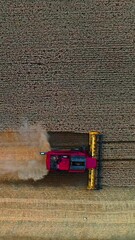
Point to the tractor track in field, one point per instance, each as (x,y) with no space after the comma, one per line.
(61,211)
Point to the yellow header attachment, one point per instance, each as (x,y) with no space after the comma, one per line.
(93,142)
(93,135)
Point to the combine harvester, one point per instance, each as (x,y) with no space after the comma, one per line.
(77,160)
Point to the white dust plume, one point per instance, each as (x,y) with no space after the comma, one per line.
(20,152)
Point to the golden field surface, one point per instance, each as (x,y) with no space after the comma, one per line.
(60,207)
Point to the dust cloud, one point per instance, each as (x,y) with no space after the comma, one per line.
(20,153)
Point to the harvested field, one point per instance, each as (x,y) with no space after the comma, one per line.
(60,207)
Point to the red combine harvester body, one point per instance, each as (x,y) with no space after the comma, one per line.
(69,160)
(77,160)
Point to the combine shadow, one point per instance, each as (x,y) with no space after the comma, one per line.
(53,179)
(100,162)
